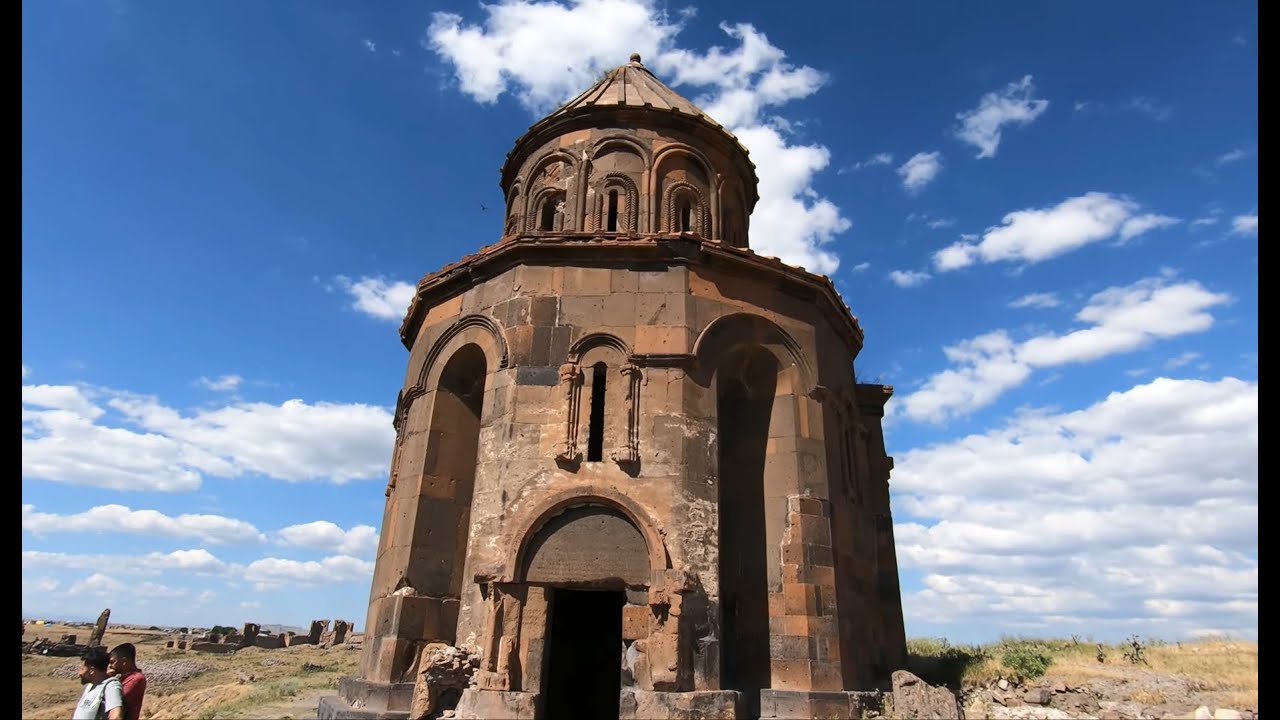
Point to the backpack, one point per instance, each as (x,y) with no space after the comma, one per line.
(102,699)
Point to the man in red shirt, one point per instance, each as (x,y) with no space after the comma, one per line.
(124,666)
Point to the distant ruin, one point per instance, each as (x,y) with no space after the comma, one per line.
(206,641)
(252,635)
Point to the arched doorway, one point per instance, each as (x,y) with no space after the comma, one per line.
(585,558)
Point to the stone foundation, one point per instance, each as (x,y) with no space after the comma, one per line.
(708,705)
(815,704)
(375,697)
(483,704)
(333,707)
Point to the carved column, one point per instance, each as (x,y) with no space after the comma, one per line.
(571,386)
(629,450)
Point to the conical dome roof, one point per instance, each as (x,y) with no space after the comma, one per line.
(631,84)
(627,89)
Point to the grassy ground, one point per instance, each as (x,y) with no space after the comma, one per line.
(286,682)
(1219,670)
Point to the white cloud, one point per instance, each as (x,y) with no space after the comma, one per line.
(1038,234)
(250,605)
(908,278)
(1139,509)
(25,371)
(225,383)
(920,170)
(507,52)
(1230,157)
(883,158)
(861,266)
(1204,222)
(940,223)
(197,561)
(212,529)
(67,438)
(1135,226)
(1151,107)
(361,540)
(981,127)
(40,584)
(378,297)
(1120,319)
(369,45)
(277,573)
(104,586)
(1036,300)
(1244,224)
(1183,359)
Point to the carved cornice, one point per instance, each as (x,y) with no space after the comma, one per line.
(662,249)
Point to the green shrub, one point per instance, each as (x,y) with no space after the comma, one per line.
(1028,661)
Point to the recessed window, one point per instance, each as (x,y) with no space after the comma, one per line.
(684,215)
(548,220)
(611,224)
(595,430)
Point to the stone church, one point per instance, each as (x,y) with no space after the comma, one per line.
(634,472)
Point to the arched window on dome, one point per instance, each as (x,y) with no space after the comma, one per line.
(551,212)
(684,209)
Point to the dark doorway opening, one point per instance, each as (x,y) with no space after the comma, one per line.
(585,656)
(745,392)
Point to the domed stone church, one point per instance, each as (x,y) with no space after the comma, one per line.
(634,472)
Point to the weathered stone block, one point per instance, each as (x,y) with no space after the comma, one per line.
(635,622)
(705,705)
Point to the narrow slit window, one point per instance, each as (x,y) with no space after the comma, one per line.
(685,216)
(595,430)
(612,224)
(548,215)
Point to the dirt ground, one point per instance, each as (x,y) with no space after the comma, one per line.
(251,683)
(288,682)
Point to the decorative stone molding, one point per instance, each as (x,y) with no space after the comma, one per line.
(571,386)
(628,452)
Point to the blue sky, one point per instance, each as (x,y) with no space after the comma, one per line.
(1045,216)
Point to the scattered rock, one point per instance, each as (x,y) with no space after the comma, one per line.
(1037,696)
(1226,714)
(914,698)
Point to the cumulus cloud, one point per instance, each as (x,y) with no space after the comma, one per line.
(378,297)
(198,561)
(361,540)
(279,574)
(1118,320)
(1038,234)
(507,53)
(226,383)
(104,586)
(212,529)
(861,266)
(1036,300)
(920,170)
(68,437)
(982,126)
(908,278)
(1136,514)
(1245,224)
(883,158)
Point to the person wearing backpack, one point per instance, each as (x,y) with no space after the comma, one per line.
(124,665)
(103,697)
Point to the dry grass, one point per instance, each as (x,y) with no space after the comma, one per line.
(287,682)
(1218,672)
